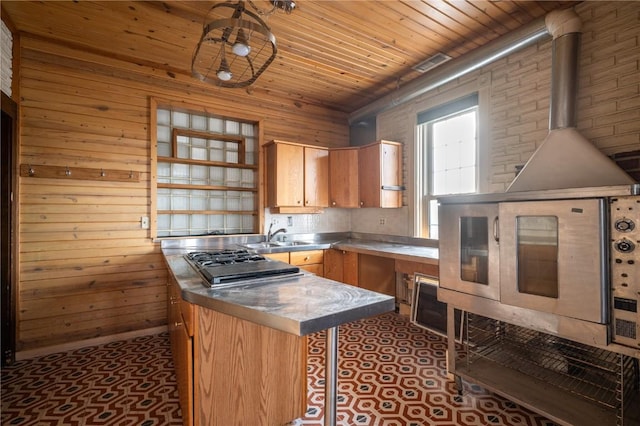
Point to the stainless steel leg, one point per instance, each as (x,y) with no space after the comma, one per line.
(331,377)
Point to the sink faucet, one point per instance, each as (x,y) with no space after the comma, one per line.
(271,235)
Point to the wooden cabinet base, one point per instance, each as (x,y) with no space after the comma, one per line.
(247,374)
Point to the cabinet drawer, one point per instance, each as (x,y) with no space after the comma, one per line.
(306,257)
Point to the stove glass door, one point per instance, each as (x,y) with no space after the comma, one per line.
(469,258)
(553,257)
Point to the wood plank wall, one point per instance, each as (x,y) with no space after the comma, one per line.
(86,268)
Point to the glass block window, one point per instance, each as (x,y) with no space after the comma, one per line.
(207,174)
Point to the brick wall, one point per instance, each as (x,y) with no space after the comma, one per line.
(608,94)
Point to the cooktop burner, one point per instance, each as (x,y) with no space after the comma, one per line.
(223,257)
(228,266)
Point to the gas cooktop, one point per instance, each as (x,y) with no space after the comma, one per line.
(232,266)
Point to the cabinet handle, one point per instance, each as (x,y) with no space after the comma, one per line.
(173,301)
(392,187)
(298,201)
(361,203)
(177,324)
(333,203)
(306,258)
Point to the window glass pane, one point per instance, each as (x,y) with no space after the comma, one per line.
(180,119)
(232,128)
(164,134)
(198,122)
(216,125)
(537,238)
(163,117)
(474,253)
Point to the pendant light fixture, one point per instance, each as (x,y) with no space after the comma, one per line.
(236,45)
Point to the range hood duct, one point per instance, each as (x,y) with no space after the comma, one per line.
(566,159)
(456,68)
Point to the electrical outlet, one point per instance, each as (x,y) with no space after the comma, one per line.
(382,221)
(144,222)
(289,220)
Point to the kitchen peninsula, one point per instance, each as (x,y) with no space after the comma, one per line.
(248,339)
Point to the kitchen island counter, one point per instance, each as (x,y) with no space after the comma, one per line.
(250,342)
(299,305)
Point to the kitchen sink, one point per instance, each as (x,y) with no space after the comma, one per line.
(262,245)
(291,243)
(271,244)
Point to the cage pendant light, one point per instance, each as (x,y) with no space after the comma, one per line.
(236,46)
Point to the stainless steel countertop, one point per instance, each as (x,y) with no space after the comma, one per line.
(299,305)
(402,251)
(403,248)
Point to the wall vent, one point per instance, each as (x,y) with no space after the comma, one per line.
(432,62)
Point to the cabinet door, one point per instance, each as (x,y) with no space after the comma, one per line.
(285,175)
(343,177)
(380,170)
(342,266)
(316,177)
(369,170)
(391,175)
(182,351)
(377,274)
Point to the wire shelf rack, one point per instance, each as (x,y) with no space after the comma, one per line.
(604,378)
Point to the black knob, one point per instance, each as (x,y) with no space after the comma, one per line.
(624,225)
(624,245)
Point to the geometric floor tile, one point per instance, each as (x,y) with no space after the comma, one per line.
(128,382)
(390,373)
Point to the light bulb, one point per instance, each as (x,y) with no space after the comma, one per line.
(241,49)
(224,73)
(241,46)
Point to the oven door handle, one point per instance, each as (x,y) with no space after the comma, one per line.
(496,232)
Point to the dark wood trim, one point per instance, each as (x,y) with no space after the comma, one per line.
(8,195)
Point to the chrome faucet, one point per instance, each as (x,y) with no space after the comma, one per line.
(271,235)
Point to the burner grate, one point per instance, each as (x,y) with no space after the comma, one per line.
(223,257)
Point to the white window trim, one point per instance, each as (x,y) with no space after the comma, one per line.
(481,86)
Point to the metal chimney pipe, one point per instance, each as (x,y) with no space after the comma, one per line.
(484,55)
(565,27)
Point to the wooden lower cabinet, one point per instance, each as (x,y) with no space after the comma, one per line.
(377,273)
(181,348)
(234,372)
(341,265)
(309,260)
(247,374)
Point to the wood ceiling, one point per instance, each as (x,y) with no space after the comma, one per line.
(337,54)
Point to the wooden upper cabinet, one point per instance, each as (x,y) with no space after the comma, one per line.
(343,177)
(297,176)
(316,176)
(380,174)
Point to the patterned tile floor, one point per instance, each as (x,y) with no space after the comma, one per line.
(390,373)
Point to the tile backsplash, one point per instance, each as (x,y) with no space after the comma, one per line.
(367,220)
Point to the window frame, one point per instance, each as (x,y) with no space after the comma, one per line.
(483,149)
